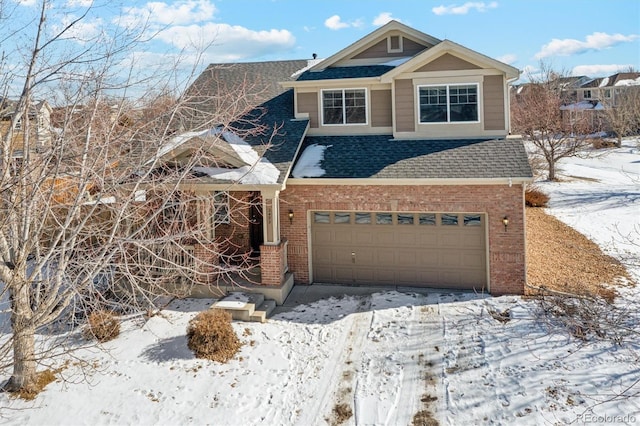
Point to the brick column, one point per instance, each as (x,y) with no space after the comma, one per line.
(272,263)
(206,260)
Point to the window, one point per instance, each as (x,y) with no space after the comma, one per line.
(363,218)
(344,106)
(586,94)
(449,219)
(405,219)
(472,220)
(448,103)
(384,218)
(221,207)
(427,219)
(321,217)
(342,218)
(394,44)
(607,93)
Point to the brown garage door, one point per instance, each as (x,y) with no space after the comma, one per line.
(422,249)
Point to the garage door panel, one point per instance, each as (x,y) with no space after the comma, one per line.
(400,252)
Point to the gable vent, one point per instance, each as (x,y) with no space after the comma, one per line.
(394,44)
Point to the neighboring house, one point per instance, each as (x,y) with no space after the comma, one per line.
(37,123)
(390,166)
(607,90)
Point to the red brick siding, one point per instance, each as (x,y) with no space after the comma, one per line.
(506,248)
(234,237)
(271,265)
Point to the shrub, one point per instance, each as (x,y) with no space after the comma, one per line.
(211,336)
(102,325)
(533,197)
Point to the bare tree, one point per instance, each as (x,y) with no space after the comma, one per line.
(536,114)
(622,112)
(94,217)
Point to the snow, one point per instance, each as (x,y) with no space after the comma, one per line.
(604,82)
(257,171)
(581,106)
(308,165)
(628,82)
(387,354)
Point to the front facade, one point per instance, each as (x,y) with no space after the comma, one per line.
(394,168)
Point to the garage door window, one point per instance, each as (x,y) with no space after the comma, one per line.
(405,219)
(341,218)
(321,217)
(471,220)
(449,219)
(363,218)
(427,219)
(384,218)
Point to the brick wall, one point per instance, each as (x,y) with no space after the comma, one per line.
(271,264)
(506,248)
(234,237)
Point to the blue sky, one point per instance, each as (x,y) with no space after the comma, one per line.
(581,37)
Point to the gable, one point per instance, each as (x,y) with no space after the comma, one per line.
(392,46)
(448,62)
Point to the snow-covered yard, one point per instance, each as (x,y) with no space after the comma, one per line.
(391,357)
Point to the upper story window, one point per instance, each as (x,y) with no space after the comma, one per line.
(586,94)
(448,103)
(344,106)
(607,93)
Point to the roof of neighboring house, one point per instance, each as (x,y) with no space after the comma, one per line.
(346,72)
(382,157)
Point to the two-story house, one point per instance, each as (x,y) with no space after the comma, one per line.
(387,163)
(37,122)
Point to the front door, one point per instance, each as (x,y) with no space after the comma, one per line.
(256,234)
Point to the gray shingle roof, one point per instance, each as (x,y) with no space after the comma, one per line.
(362,71)
(382,157)
(273,115)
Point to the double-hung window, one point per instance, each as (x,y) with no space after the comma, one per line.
(448,103)
(344,106)
(220,207)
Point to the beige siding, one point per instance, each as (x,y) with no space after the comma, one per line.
(493,102)
(381,108)
(308,103)
(379,50)
(405,112)
(447,62)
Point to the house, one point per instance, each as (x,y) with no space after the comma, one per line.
(387,163)
(37,123)
(609,90)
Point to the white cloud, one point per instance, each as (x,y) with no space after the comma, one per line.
(229,42)
(26,2)
(599,70)
(82,32)
(383,18)
(177,13)
(464,9)
(336,23)
(79,3)
(509,58)
(595,41)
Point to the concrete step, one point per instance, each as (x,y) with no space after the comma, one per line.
(263,311)
(240,305)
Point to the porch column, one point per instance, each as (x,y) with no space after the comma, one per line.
(205,251)
(273,251)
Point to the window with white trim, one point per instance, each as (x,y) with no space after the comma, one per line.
(344,106)
(221,207)
(586,94)
(448,103)
(394,44)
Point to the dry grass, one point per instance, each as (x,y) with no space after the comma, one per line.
(561,259)
(102,326)
(210,335)
(534,197)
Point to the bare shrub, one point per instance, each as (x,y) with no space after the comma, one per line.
(601,143)
(102,325)
(534,197)
(211,336)
(341,413)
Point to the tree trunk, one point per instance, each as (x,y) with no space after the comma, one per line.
(24,375)
(552,170)
(619,143)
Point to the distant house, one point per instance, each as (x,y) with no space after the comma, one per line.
(37,123)
(386,164)
(608,90)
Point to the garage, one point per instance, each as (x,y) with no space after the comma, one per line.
(445,250)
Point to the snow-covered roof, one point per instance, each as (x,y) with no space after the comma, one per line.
(308,164)
(582,106)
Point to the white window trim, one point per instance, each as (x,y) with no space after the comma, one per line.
(447,85)
(366,106)
(225,217)
(400,48)
(584,94)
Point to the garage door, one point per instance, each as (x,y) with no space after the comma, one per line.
(445,250)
